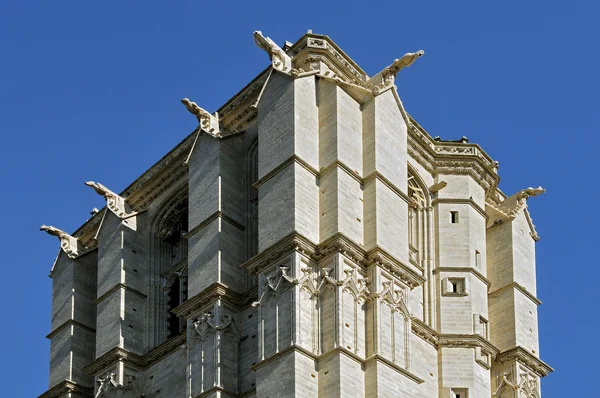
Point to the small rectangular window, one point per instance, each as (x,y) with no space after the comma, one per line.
(454,287)
(477,259)
(459,393)
(454,217)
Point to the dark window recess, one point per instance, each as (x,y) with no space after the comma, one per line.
(454,217)
(174,300)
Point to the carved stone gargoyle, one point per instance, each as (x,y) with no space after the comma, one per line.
(208,122)
(114,202)
(68,243)
(387,76)
(279,59)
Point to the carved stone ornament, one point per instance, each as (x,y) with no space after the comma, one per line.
(528,387)
(513,204)
(208,122)
(108,384)
(114,202)
(68,243)
(385,79)
(279,59)
(352,283)
(205,327)
(274,283)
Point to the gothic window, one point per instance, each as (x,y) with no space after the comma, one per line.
(169,274)
(418,222)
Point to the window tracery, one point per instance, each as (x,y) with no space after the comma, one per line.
(168,276)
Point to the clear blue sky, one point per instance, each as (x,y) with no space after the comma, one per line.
(91,90)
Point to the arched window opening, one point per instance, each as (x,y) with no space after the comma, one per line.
(168,282)
(417,220)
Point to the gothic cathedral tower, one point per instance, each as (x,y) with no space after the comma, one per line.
(308,239)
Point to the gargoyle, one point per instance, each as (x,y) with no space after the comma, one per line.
(67,243)
(385,79)
(280,60)
(407,60)
(60,234)
(99,188)
(113,201)
(208,122)
(529,192)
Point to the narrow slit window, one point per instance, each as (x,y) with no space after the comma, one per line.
(454,217)
(477,259)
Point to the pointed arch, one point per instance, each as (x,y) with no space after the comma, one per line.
(167,282)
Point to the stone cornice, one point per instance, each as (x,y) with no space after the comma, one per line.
(342,166)
(438,340)
(117,287)
(424,331)
(521,289)
(140,362)
(210,219)
(409,375)
(292,159)
(378,256)
(452,158)
(380,177)
(218,391)
(323,171)
(311,47)
(334,351)
(519,354)
(69,388)
(467,341)
(469,202)
(69,322)
(285,246)
(473,271)
(214,292)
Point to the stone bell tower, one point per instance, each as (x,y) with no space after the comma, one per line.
(307,239)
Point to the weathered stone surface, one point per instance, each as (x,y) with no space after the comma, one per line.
(308,239)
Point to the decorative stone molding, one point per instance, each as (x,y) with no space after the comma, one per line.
(424,331)
(108,384)
(522,356)
(140,362)
(313,48)
(338,243)
(70,389)
(204,327)
(467,341)
(395,297)
(216,291)
(279,59)
(274,253)
(352,283)
(437,340)
(403,272)
(528,387)
(274,283)
(68,243)
(207,122)
(114,202)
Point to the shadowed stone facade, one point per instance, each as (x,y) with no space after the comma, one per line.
(309,239)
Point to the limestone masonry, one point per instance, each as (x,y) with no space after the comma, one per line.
(309,239)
